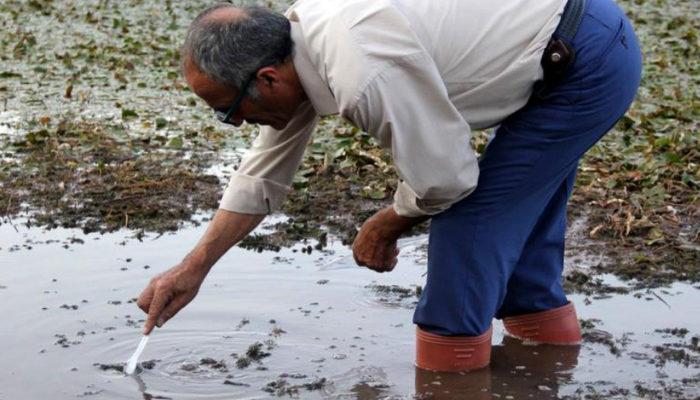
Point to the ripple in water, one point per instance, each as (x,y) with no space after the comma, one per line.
(186,364)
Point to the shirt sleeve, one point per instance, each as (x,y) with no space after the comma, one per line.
(407,109)
(261,183)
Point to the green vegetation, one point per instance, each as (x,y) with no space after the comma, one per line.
(640,186)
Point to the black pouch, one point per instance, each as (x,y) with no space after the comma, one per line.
(557,59)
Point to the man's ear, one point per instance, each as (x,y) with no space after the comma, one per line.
(268,76)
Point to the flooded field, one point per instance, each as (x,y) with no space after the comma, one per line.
(300,324)
(105,155)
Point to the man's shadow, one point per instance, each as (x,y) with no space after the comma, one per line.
(517,370)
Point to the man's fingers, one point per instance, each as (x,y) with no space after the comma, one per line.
(160,300)
(379,256)
(145,299)
(357,259)
(383,259)
(357,254)
(171,309)
(383,265)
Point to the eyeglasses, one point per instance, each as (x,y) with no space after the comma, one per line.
(225,117)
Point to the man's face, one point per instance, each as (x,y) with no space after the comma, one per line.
(274,106)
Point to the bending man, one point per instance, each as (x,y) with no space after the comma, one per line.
(553,75)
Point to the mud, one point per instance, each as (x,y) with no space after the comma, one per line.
(214,364)
(282,387)
(120,367)
(395,295)
(99,179)
(111,367)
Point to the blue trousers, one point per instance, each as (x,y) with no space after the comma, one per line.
(500,251)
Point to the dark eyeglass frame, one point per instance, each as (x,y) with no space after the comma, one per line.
(225,117)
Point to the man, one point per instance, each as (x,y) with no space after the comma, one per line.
(554,76)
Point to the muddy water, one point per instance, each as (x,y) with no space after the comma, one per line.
(67,309)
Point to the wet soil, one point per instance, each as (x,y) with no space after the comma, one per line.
(101,179)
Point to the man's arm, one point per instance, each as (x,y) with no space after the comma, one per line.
(407,109)
(257,188)
(170,291)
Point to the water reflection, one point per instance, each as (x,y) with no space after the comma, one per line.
(142,387)
(516,371)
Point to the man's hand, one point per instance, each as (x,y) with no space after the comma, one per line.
(373,250)
(375,244)
(168,293)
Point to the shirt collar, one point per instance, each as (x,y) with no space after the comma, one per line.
(315,87)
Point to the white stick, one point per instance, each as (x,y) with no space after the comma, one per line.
(131,365)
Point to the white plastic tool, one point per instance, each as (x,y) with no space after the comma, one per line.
(131,365)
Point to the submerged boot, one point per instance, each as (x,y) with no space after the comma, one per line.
(555,326)
(452,353)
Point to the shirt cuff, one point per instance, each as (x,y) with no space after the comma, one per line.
(246,194)
(408,204)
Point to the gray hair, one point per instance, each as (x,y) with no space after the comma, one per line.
(230,50)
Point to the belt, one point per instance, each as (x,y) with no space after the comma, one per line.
(559,55)
(570,19)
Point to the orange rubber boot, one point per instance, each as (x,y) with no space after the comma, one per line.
(452,353)
(555,326)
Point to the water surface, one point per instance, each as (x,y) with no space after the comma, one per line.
(67,304)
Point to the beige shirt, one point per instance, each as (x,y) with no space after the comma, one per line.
(417,75)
